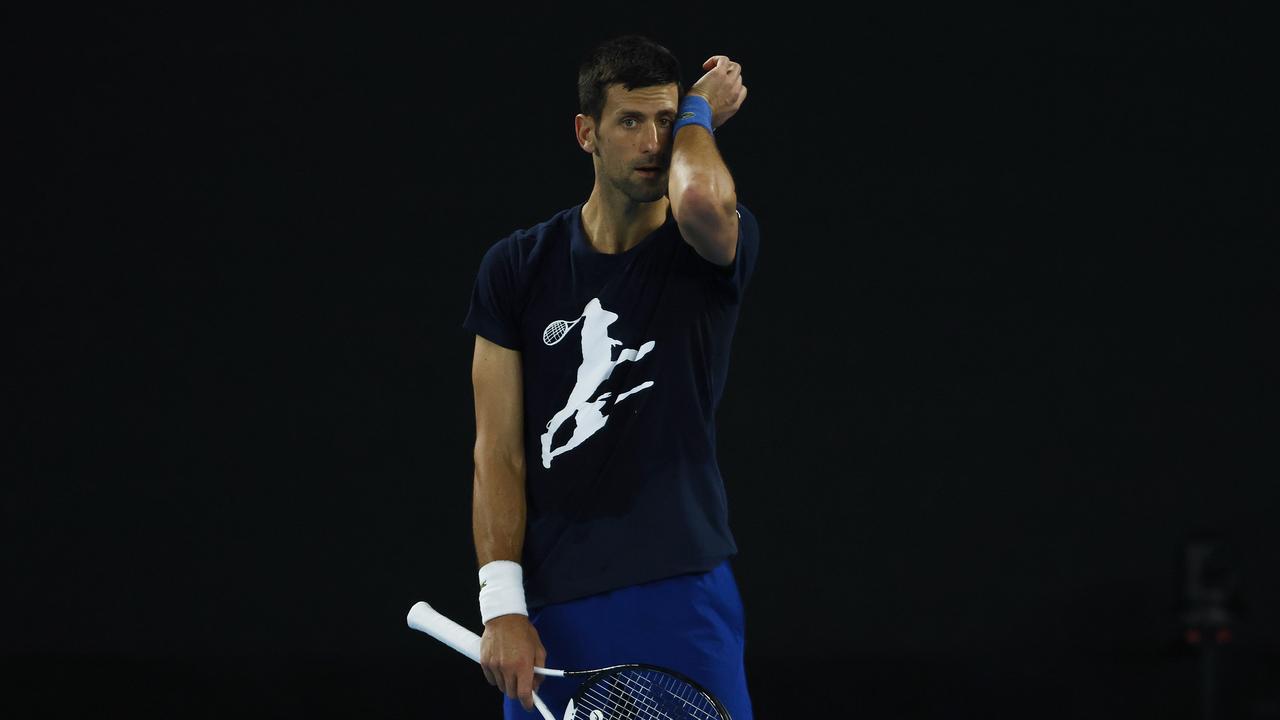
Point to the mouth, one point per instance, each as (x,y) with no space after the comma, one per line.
(650,171)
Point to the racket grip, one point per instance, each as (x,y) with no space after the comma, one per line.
(425,619)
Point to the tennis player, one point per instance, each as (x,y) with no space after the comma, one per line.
(601,353)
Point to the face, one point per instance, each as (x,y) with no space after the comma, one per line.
(632,141)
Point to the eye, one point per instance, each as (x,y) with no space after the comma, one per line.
(664,122)
(628,122)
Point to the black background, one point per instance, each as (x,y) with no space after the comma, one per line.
(1005,354)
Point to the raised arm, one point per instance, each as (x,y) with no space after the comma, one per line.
(703,199)
(510,646)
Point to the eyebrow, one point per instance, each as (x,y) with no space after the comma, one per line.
(641,113)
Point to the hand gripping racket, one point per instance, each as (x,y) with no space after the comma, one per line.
(621,692)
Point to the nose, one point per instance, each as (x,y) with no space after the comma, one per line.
(651,138)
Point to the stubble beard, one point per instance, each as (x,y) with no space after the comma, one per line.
(642,192)
(637,191)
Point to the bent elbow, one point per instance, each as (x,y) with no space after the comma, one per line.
(709,222)
(704,199)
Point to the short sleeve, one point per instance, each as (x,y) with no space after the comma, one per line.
(494,312)
(734,277)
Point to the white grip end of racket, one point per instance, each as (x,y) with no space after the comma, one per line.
(425,619)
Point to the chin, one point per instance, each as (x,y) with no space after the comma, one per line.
(639,192)
(646,194)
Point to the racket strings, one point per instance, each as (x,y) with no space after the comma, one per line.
(634,694)
(641,707)
(684,693)
(556,330)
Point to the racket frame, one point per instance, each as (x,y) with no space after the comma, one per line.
(594,675)
(562,334)
(424,618)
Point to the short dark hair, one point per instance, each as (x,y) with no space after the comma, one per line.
(633,61)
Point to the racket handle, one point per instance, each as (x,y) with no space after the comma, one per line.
(424,618)
(546,711)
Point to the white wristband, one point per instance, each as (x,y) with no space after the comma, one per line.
(501,590)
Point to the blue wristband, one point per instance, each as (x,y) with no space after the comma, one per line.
(694,110)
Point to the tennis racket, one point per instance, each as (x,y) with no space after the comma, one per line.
(556,330)
(621,692)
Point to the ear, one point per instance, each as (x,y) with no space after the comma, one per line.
(585,128)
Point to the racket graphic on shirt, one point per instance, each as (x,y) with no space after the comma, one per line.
(557,329)
(621,692)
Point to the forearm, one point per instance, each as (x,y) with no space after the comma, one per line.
(510,646)
(498,509)
(704,201)
(700,186)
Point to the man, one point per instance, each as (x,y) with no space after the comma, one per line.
(601,352)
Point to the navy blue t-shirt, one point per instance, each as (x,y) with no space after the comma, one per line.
(624,358)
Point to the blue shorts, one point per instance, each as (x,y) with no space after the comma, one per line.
(690,623)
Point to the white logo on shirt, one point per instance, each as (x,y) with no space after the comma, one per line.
(597,365)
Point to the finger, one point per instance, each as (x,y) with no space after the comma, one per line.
(513,684)
(489,676)
(741,98)
(507,682)
(498,682)
(525,687)
(714,61)
(539,659)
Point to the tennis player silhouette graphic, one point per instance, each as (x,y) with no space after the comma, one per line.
(597,366)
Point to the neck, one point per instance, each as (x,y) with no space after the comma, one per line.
(614,223)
